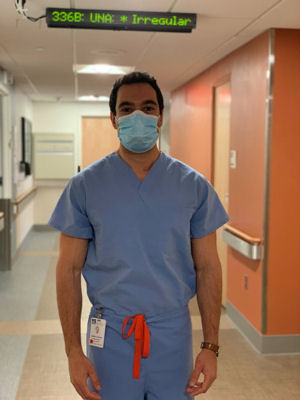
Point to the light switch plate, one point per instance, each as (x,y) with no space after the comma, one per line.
(233,159)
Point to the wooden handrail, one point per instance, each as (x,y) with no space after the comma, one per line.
(24,195)
(243,235)
(1,214)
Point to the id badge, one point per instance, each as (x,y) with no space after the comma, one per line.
(97,332)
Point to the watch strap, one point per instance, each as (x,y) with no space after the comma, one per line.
(210,346)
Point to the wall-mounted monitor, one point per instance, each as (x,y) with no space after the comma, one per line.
(26,139)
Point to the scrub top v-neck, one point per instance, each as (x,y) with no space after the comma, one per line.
(139,253)
(131,172)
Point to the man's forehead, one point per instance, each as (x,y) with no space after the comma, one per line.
(136,92)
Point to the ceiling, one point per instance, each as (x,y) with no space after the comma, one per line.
(41,59)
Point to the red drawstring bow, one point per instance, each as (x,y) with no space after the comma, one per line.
(142,340)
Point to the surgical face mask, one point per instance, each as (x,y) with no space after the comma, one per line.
(138,131)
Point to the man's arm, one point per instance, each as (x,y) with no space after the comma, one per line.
(72,256)
(209,297)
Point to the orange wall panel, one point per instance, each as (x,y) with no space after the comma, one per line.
(191,140)
(284,250)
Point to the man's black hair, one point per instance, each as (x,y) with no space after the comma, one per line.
(135,77)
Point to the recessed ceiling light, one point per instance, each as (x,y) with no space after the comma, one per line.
(93,98)
(101,69)
(40,49)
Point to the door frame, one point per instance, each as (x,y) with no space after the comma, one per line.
(6,144)
(220,82)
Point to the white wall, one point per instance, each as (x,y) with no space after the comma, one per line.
(64,118)
(25,217)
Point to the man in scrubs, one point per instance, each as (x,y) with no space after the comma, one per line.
(140,226)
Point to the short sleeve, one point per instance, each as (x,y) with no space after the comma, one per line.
(210,215)
(69,215)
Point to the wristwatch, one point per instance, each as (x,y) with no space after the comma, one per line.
(210,346)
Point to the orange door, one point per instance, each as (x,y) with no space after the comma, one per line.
(98,138)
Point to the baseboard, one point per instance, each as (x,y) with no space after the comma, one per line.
(43,228)
(263,344)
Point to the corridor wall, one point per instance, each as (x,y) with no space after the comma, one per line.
(283,290)
(191,140)
(16,183)
(24,220)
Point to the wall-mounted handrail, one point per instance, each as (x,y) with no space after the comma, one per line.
(242,234)
(245,244)
(24,196)
(16,203)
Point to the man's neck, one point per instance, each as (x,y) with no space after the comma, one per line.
(139,161)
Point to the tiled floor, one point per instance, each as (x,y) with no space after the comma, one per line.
(33,364)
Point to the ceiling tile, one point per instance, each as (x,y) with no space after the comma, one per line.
(139,5)
(177,52)
(225,8)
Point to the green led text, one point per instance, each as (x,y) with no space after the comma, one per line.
(104,18)
(174,21)
(71,16)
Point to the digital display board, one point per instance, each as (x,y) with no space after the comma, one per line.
(120,20)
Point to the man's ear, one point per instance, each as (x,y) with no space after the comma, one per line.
(113,120)
(160,119)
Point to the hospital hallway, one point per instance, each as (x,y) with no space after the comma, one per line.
(33,362)
(142,129)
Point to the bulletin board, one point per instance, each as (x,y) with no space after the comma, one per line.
(53,156)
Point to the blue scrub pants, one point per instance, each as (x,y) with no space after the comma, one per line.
(164,375)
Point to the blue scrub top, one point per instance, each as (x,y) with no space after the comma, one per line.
(139,253)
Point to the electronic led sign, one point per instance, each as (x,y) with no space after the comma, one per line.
(120,20)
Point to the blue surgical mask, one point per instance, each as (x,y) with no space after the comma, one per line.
(138,131)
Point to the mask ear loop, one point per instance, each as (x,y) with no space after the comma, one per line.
(117,123)
(157,127)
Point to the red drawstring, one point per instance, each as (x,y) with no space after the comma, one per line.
(142,340)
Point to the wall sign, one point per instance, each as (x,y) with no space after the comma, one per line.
(120,20)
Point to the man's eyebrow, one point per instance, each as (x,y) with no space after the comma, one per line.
(128,103)
(150,102)
(125,103)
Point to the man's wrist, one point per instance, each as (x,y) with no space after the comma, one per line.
(211,346)
(74,351)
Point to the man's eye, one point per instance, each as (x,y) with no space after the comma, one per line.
(149,109)
(126,110)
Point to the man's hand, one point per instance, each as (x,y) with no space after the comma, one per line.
(206,364)
(80,368)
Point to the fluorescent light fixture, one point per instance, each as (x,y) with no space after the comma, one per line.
(93,98)
(101,69)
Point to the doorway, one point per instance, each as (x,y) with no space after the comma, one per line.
(222,103)
(98,139)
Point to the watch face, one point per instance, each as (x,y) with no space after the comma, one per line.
(210,346)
